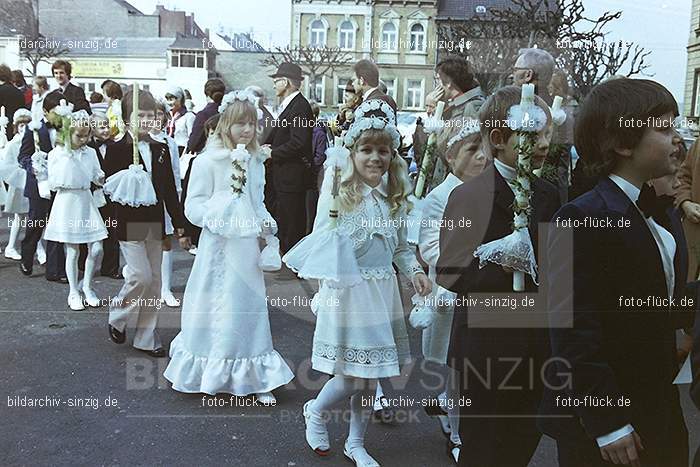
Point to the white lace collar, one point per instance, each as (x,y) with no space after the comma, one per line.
(382,188)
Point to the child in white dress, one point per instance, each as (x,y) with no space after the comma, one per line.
(360,333)
(225,344)
(16,204)
(75,219)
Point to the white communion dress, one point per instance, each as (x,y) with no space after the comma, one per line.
(361,330)
(15,176)
(225,344)
(74,215)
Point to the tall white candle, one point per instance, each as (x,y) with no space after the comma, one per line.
(556,104)
(2,111)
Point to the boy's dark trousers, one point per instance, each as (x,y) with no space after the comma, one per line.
(37,218)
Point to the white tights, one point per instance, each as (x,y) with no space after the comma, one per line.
(93,257)
(360,392)
(14,232)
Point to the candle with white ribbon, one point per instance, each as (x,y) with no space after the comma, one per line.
(135,122)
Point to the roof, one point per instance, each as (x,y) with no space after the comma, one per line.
(131,8)
(123,46)
(466,9)
(242,42)
(189,42)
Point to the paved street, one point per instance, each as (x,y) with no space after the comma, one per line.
(65,358)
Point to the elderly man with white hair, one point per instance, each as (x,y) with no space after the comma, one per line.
(534,66)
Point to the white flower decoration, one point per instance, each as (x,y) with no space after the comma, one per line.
(64,109)
(375,104)
(365,123)
(240,96)
(469,127)
(531,118)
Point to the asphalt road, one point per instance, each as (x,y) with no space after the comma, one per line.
(109,405)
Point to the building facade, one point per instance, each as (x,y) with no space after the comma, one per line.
(399,36)
(691,100)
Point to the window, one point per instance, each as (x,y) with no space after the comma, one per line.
(317,38)
(391,87)
(91,87)
(414,94)
(187,59)
(316,90)
(342,82)
(346,36)
(389,36)
(146,87)
(417,38)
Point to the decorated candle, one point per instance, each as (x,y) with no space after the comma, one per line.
(527,96)
(135,122)
(428,158)
(2,111)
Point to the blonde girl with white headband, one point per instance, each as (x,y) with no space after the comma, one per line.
(360,333)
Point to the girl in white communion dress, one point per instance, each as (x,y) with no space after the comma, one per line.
(225,344)
(360,333)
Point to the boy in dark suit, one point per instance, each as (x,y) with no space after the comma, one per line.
(62,70)
(495,354)
(617,289)
(39,208)
(141,230)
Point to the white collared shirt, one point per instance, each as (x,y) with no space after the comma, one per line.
(285,102)
(146,156)
(367,93)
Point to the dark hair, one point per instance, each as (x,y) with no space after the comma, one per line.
(315,109)
(18,78)
(146,102)
(96,98)
(458,71)
(215,89)
(211,123)
(186,94)
(52,99)
(112,89)
(66,66)
(493,114)
(367,70)
(5,73)
(42,82)
(599,124)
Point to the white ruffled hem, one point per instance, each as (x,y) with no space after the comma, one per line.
(514,251)
(241,376)
(131,187)
(230,216)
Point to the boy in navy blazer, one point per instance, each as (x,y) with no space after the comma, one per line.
(617,289)
(39,207)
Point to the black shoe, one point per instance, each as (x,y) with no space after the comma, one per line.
(60,280)
(156,353)
(25,270)
(118,337)
(433,409)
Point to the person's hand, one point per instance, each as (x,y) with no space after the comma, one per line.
(185,242)
(624,451)
(436,94)
(422,284)
(692,211)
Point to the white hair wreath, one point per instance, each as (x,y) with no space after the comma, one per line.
(470,127)
(243,95)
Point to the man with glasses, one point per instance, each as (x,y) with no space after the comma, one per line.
(290,139)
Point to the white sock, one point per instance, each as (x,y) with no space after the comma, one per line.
(72,253)
(335,390)
(453,414)
(166,269)
(40,249)
(93,257)
(359,418)
(378,394)
(14,233)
